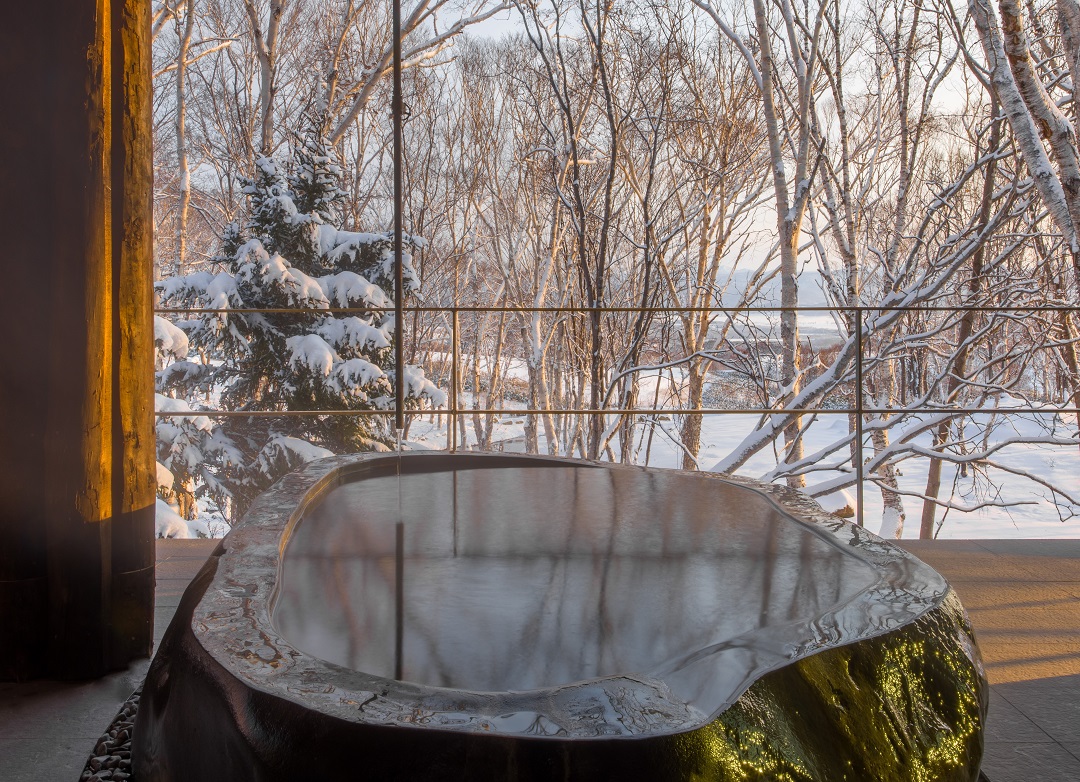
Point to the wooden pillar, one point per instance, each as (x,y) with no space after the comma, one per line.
(76,338)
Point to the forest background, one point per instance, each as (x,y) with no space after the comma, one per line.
(809,242)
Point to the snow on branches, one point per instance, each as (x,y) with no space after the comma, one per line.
(271,337)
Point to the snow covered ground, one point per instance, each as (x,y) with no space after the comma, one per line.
(1020,507)
(1028,512)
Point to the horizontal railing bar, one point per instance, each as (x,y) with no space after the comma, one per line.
(464,411)
(866,309)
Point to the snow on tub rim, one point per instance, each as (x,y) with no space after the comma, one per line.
(719,629)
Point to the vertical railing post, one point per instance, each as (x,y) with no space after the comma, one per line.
(449,397)
(398,111)
(454,376)
(860,506)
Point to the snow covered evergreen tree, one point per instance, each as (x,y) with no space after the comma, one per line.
(288,255)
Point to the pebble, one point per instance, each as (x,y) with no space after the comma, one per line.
(111,761)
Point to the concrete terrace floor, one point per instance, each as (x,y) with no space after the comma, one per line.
(1023,597)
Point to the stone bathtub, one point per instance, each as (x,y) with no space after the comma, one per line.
(482,617)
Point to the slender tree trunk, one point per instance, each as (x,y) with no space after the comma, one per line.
(532,438)
(596,382)
(181,136)
(539,393)
(266,51)
(790,208)
(691,428)
(1069,22)
(1068,352)
(789,343)
(494,393)
(478,424)
(1032,115)
(893,516)
(629,421)
(967,324)
(1053,124)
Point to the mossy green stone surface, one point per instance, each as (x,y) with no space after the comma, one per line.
(906,707)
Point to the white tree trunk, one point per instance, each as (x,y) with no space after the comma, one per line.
(266,51)
(181,135)
(1014,89)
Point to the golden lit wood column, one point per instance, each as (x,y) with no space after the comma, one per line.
(76,335)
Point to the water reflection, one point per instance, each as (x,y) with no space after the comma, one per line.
(520,578)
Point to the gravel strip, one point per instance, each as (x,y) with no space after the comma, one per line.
(111,761)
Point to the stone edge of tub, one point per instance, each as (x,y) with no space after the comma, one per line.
(233,623)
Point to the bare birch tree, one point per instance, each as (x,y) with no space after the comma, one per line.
(1044,134)
(787,87)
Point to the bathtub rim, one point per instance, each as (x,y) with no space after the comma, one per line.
(233,619)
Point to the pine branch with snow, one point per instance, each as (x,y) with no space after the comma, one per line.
(291,265)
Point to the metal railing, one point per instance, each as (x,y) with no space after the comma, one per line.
(454,410)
